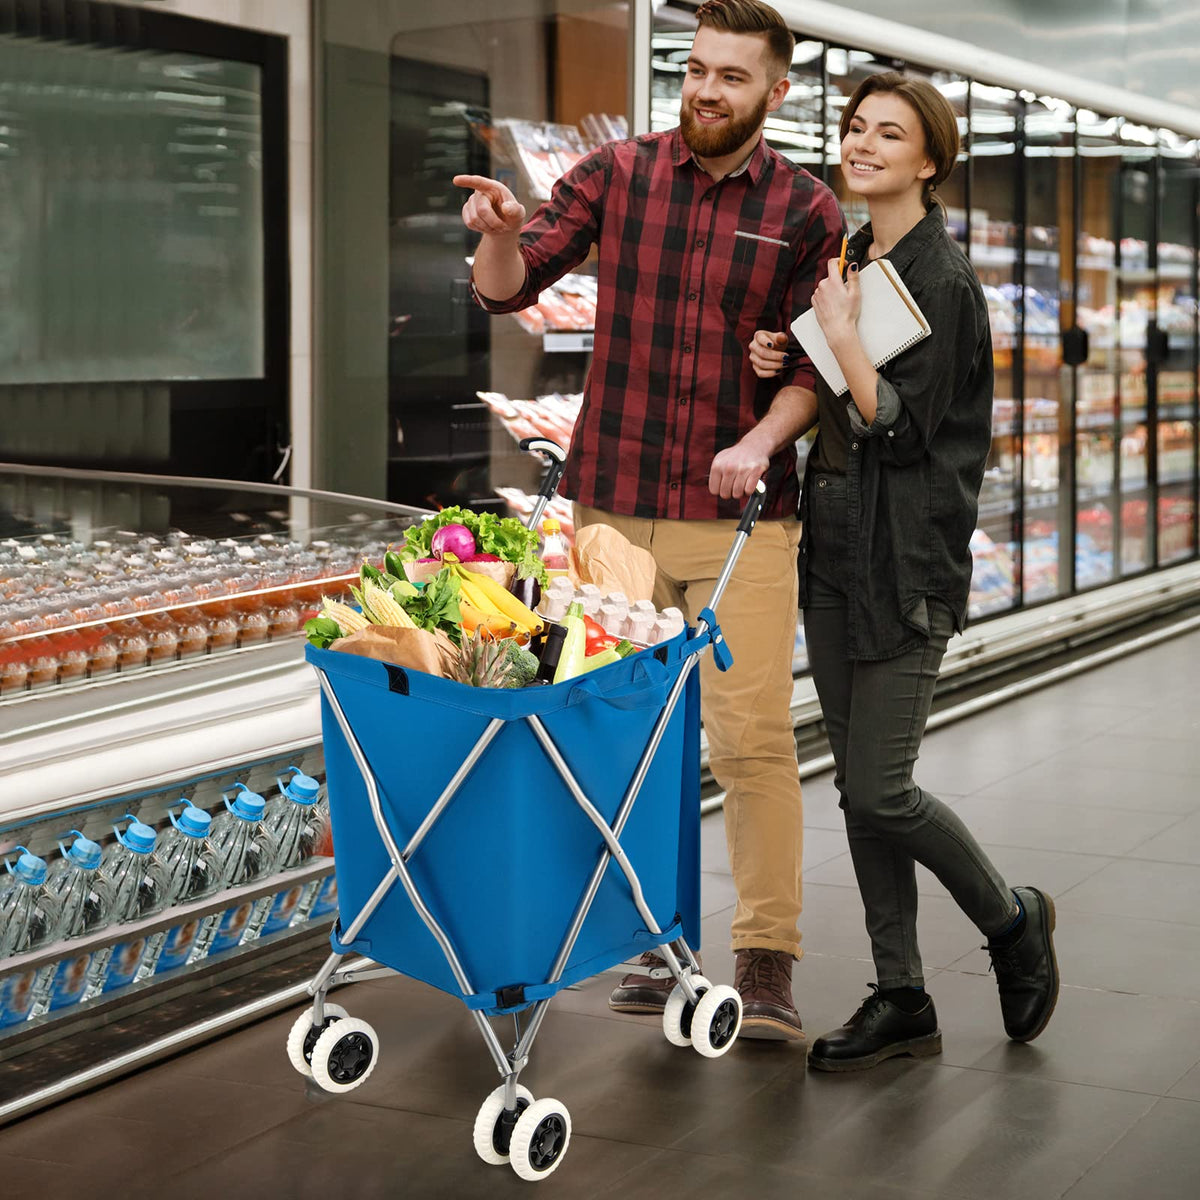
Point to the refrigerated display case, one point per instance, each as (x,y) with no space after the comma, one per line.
(125,716)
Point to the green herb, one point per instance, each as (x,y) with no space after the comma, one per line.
(322,631)
(504,537)
(436,607)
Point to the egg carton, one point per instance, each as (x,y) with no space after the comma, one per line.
(638,620)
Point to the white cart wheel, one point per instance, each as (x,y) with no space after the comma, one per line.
(675,1014)
(344,1055)
(717,1021)
(540,1139)
(300,1044)
(487,1121)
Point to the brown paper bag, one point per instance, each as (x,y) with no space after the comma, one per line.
(604,556)
(415,649)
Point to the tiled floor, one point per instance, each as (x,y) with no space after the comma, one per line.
(1090,789)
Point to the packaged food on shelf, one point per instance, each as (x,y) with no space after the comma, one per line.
(72,612)
(569,303)
(551,416)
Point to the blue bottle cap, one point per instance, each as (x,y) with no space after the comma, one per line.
(82,851)
(301,788)
(248,805)
(193,821)
(29,869)
(136,837)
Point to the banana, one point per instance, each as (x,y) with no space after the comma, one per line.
(473,618)
(475,597)
(506,603)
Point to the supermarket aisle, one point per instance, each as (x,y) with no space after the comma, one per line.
(1090,789)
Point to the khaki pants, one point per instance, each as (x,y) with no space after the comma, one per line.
(746,710)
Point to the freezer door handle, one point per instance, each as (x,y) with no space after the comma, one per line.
(1074,346)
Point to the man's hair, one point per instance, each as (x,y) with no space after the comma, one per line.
(753,17)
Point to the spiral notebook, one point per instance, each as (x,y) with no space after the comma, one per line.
(890,322)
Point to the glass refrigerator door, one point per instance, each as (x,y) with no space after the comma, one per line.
(1096,426)
(994,253)
(1137,316)
(1049,391)
(1175,377)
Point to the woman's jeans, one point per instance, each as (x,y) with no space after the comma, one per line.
(875,714)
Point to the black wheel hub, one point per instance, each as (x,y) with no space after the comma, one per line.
(350,1058)
(547,1142)
(502,1130)
(724,1023)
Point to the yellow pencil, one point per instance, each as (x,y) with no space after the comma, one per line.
(842,257)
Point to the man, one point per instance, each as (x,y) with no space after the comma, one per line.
(704,235)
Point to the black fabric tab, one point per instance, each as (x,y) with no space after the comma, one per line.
(397,679)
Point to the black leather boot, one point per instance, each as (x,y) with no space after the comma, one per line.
(877,1031)
(1027,970)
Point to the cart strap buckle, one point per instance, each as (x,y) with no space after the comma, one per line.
(722,655)
(512,996)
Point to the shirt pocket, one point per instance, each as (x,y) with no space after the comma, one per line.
(760,262)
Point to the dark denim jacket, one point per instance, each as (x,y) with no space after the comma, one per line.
(914,473)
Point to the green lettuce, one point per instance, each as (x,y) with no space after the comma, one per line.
(505,537)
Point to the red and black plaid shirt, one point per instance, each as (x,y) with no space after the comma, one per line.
(688,269)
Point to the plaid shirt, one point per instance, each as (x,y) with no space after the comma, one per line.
(688,269)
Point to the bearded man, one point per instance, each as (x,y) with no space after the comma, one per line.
(704,234)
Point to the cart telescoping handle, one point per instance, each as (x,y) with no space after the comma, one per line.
(556,459)
(750,515)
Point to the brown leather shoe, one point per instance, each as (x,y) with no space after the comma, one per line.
(640,993)
(763,979)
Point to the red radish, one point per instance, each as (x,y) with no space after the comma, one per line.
(453,539)
(474,558)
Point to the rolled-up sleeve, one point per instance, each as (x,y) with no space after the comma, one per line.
(887,411)
(559,235)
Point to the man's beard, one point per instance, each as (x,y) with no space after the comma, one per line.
(716,141)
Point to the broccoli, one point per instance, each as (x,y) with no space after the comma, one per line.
(523,664)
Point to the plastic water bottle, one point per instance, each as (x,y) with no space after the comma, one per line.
(246,851)
(193,872)
(320,896)
(139,888)
(85,901)
(28,920)
(297,823)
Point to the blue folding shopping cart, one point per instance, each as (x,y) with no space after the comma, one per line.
(541,836)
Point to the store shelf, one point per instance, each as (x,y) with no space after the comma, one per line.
(568,341)
(1000,256)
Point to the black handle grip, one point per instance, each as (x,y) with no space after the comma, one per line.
(753,509)
(556,458)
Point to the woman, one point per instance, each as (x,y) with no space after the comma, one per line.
(889,505)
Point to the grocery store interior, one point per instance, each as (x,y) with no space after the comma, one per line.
(238,357)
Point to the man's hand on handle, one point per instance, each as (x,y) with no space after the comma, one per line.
(491,207)
(738,468)
(768,353)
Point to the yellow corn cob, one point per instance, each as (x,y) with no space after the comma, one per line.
(506,603)
(348,621)
(385,608)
